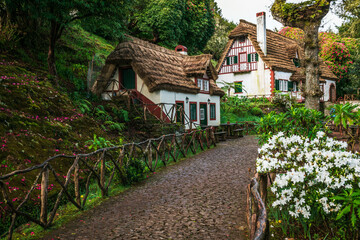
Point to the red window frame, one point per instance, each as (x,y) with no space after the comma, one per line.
(241,85)
(246,54)
(196,114)
(212,104)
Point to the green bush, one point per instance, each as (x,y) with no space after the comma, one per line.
(256,111)
(134,170)
(299,121)
(283,101)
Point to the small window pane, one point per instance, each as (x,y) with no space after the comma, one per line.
(206,85)
(212,112)
(200,84)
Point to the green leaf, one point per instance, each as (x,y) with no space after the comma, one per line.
(346,210)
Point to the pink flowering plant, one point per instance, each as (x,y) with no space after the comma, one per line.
(312,178)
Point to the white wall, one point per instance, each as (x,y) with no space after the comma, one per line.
(282,75)
(172,97)
(327,89)
(144,90)
(254,82)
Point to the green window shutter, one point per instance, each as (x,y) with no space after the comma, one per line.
(235,59)
(290,86)
(227,61)
(256,57)
(249,57)
(193,111)
(238,87)
(277,85)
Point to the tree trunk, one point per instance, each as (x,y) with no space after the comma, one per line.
(51,53)
(312,90)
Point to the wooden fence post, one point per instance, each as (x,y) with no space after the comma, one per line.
(76,183)
(44,195)
(102,175)
(263,187)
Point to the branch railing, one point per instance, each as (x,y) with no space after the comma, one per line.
(102,166)
(256,207)
(166,113)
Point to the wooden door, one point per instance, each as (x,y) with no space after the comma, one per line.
(180,112)
(332,93)
(128,78)
(203,115)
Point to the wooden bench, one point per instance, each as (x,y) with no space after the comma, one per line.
(239,132)
(220,136)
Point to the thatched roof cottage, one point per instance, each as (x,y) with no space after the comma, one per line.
(159,75)
(259,61)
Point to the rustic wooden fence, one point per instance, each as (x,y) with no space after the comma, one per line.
(256,207)
(101,166)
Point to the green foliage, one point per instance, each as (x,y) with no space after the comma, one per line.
(283,101)
(134,171)
(256,111)
(350,202)
(349,12)
(299,121)
(218,41)
(339,54)
(98,143)
(344,114)
(169,23)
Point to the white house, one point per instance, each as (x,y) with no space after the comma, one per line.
(260,61)
(156,75)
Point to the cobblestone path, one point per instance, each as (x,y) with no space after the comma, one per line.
(203,197)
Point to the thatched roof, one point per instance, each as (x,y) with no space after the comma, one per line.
(160,68)
(280,51)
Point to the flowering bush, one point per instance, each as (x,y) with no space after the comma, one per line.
(311,174)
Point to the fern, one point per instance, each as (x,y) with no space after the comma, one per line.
(115,125)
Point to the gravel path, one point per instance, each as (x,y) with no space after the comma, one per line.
(203,197)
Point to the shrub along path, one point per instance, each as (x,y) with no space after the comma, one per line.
(203,197)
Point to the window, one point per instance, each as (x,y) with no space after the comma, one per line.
(206,85)
(238,87)
(281,85)
(277,84)
(231,60)
(200,83)
(203,84)
(212,111)
(292,86)
(253,57)
(193,112)
(128,78)
(296,62)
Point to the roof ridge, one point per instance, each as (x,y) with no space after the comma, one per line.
(151,46)
(267,30)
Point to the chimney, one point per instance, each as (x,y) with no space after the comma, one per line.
(261,31)
(181,49)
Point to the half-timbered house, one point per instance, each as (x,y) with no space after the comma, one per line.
(259,61)
(159,76)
